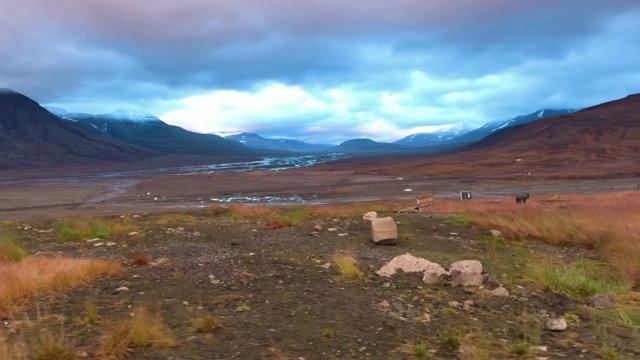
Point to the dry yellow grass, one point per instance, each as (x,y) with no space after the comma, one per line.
(348,267)
(609,223)
(143,329)
(36,275)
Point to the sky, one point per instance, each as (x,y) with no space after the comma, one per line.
(321,71)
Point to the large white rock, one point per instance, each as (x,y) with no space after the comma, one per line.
(384,231)
(466,273)
(408,263)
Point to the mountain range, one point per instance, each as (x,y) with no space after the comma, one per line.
(599,141)
(32,136)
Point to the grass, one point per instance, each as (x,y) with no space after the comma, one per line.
(206,324)
(144,329)
(36,275)
(10,249)
(415,350)
(48,346)
(348,267)
(579,279)
(94,228)
(608,223)
(91,316)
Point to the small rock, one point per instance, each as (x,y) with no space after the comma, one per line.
(556,324)
(500,292)
(133,233)
(137,216)
(122,288)
(317,228)
(98,244)
(384,303)
(386,285)
(111,243)
(332,229)
(602,301)
(539,348)
(496,233)
(326,266)
(92,240)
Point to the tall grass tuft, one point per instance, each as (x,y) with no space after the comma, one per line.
(348,267)
(10,249)
(36,275)
(143,330)
(607,223)
(49,347)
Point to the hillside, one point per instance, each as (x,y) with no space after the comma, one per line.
(30,136)
(146,130)
(600,141)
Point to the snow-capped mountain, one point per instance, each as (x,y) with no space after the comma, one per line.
(122,114)
(489,128)
(433,138)
(143,128)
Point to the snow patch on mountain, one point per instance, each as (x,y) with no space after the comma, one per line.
(226,134)
(131,115)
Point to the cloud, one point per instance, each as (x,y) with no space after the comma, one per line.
(320,70)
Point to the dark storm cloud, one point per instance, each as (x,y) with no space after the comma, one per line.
(396,65)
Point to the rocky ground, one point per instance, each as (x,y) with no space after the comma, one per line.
(278,294)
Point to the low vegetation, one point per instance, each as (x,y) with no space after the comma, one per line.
(143,329)
(80,229)
(606,223)
(348,267)
(579,279)
(10,248)
(32,276)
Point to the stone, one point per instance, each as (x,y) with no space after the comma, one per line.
(122,288)
(370,216)
(466,273)
(500,292)
(432,272)
(111,243)
(317,228)
(384,231)
(556,324)
(602,301)
(495,233)
(133,233)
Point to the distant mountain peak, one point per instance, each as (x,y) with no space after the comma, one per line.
(8,91)
(132,115)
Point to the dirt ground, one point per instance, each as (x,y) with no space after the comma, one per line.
(271,288)
(25,196)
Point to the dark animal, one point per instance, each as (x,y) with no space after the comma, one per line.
(522,198)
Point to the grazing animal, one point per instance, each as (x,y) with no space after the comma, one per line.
(522,198)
